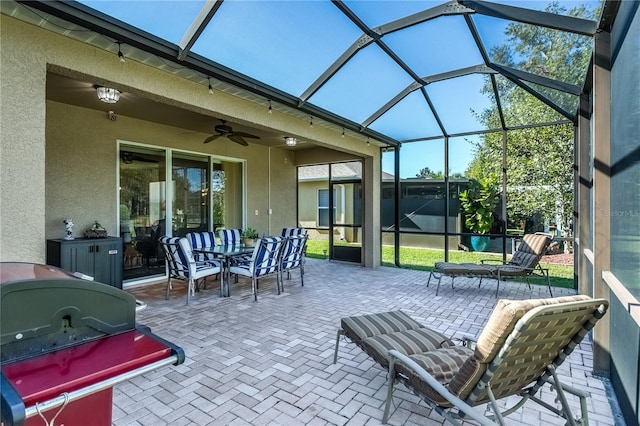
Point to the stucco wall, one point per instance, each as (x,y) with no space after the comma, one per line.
(82,162)
(22,118)
(81,154)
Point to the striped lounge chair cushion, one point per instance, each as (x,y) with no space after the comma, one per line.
(463,269)
(441,363)
(407,342)
(361,327)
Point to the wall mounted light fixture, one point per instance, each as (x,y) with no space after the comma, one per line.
(290,141)
(107,94)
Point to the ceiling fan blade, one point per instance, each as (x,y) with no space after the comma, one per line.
(246,135)
(211,138)
(238,139)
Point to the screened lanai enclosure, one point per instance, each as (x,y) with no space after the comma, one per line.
(462,97)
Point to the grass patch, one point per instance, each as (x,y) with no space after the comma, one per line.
(424,259)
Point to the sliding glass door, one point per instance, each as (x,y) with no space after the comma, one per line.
(203,193)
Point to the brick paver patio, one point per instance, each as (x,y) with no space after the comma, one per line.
(270,362)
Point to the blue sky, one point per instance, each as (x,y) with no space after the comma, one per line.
(289,43)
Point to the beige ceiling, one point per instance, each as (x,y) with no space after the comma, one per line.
(80,93)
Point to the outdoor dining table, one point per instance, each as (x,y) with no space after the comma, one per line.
(225,253)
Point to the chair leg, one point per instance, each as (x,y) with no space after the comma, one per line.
(390,383)
(302,276)
(254,287)
(190,287)
(335,352)
(168,287)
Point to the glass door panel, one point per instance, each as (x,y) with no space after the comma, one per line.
(345,211)
(142,210)
(313,208)
(190,206)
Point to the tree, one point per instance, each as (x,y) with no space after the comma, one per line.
(427,173)
(539,160)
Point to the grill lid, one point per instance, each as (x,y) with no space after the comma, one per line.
(44,315)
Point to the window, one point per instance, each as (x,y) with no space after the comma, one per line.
(323,207)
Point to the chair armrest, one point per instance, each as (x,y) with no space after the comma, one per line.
(436,386)
(469,340)
(466,340)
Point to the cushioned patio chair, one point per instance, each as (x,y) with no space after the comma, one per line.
(199,240)
(293,257)
(518,352)
(524,263)
(265,260)
(182,265)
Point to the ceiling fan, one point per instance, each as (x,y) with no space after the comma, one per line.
(223,130)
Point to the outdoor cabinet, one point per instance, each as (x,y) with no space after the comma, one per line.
(100,258)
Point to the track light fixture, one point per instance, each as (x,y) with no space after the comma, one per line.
(311,121)
(120,55)
(367,140)
(270,109)
(343,132)
(210,87)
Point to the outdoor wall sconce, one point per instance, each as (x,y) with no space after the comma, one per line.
(107,94)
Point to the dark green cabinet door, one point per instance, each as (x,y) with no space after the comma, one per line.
(108,263)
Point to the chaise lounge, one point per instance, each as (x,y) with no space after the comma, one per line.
(524,263)
(519,351)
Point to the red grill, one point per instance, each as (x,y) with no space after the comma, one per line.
(65,342)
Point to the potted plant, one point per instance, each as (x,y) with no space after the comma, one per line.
(478,202)
(249,237)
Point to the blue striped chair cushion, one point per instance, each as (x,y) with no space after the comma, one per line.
(292,252)
(230,236)
(265,257)
(176,255)
(293,232)
(200,240)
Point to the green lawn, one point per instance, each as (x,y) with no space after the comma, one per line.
(424,259)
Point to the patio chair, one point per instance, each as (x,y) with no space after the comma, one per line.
(200,240)
(524,263)
(182,265)
(293,256)
(265,260)
(518,352)
(230,236)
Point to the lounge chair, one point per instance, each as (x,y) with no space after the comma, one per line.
(518,352)
(524,263)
